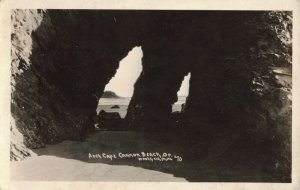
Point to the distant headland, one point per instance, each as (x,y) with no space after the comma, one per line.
(110,94)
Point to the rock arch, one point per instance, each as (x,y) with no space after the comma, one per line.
(68,56)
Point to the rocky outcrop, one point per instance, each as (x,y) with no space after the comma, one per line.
(109,121)
(18,151)
(115,107)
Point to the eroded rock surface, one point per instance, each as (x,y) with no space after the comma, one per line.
(61,62)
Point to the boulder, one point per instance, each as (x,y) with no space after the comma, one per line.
(109,120)
(115,107)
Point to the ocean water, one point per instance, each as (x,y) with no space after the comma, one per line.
(106,104)
(126,100)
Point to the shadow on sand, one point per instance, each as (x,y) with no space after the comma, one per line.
(192,167)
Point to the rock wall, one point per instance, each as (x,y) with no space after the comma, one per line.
(240,86)
(250,105)
(61,62)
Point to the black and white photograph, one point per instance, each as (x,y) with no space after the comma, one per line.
(151,95)
(125,95)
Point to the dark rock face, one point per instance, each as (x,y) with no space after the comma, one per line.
(61,62)
(109,120)
(166,60)
(240,86)
(236,99)
(245,96)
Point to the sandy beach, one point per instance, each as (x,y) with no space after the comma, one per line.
(69,161)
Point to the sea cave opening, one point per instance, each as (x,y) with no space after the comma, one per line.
(182,94)
(113,104)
